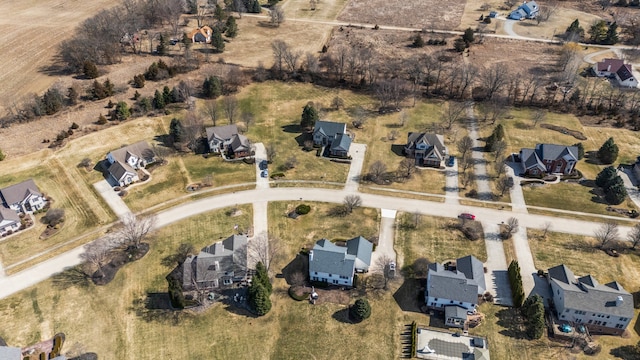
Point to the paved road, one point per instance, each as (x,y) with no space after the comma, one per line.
(33,275)
(261,155)
(508,28)
(386,237)
(357,152)
(498,280)
(112,199)
(451,184)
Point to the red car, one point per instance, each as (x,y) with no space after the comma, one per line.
(467,216)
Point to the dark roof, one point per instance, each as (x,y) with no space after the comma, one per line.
(553,151)
(141,150)
(119,169)
(451,285)
(240,143)
(624,72)
(224,258)
(330,258)
(8,215)
(529,7)
(329,128)
(20,191)
(530,159)
(455,311)
(361,248)
(341,142)
(225,132)
(473,270)
(434,140)
(587,294)
(610,65)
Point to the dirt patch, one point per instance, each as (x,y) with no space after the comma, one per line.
(576,134)
(425,14)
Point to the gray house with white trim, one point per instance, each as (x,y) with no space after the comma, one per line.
(217,265)
(337,265)
(23,197)
(125,161)
(426,148)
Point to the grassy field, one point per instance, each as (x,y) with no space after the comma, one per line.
(307,229)
(434,241)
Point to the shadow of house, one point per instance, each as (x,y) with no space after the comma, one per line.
(410,295)
(503,290)
(235,301)
(398,149)
(300,264)
(303,137)
(158,301)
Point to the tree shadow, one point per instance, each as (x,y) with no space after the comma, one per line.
(56,68)
(410,295)
(300,139)
(588,183)
(156,307)
(398,149)
(72,277)
(511,322)
(342,316)
(300,264)
(235,301)
(292,128)
(164,140)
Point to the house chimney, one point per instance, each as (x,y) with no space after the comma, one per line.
(310,255)
(619,301)
(609,68)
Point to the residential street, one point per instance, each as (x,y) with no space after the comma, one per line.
(517,196)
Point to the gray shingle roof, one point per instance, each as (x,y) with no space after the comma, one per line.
(225,132)
(329,128)
(473,270)
(624,72)
(10,353)
(455,311)
(553,151)
(330,258)
(588,295)
(361,248)
(530,159)
(9,215)
(141,150)
(119,169)
(18,192)
(240,143)
(435,140)
(451,285)
(341,142)
(225,258)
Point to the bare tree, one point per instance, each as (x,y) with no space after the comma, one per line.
(499,147)
(464,145)
(606,233)
(392,135)
(383,267)
(403,118)
(547,10)
(493,79)
(538,117)
(421,267)
(407,168)
(377,170)
(500,168)
(291,162)
(511,227)
(298,279)
(634,236)
(468,177)
(545,229)
(276,15)
(135,229)
(279,48)
(337,102)
(264,248)
(211,110)
(97,252)
(193,128)
(467,162)
(351,202)
(230,105)
(504,184)
(271,152)
(248,119)
(53,217)
(453,112)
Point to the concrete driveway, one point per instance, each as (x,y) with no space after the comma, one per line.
(386,237)
(357,152)
(525,259)
(497,280)
(112,199)
(517,197)
(451,184)
(631,184)
(260,155)
(479,166)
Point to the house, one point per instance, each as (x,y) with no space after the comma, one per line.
(338,265)
(616,69)
(24,197)
(528,10)
(548,159)
(226,140)
(340,146)
(426,148)
(9,221)
(125,161)
(201,35)
(220,264)
(325,132)
(455,289)
(603,309)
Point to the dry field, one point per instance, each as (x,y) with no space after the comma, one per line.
(427,14)
(31,31)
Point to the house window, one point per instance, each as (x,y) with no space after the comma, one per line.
(227,281)
(558,292)
(604,323)
(343,277)
(577,312)
(590,321)
(330,275)
(335,281)
(436,299)
(315,273)
(567,310)
(450,301)
(607,316)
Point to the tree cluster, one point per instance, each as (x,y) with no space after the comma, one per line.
(212,87)
(603,33)
(515,280)
(533,311)
(496,136)
(612,185)
(176,294)
(260,291)
(99,91)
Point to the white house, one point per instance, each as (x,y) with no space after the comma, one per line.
(337,265)
(457,286)
(124,162)
(23,197)
(603,309)
(9,221)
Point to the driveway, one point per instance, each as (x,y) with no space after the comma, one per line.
(357,152)
(497,280)
(630,183)
(525,259)
(477,153)
(385,237)
(260,155)
(517,197)
(451,184)
(112,199)
(508,28)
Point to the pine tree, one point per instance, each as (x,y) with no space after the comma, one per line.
(162,46)
(212,87)
(158,100)
(309,117)
(219,13)
(262,276)
(122,111)
(232,27)
(605,176)
(176,131)
(612,34)
(608,152)
(259,298)
(598,32)
(580,150)
(468,36)
(166,95)
(418,42)
(533,310)
(90,70)
(216,41)
(361,310)
(575,28)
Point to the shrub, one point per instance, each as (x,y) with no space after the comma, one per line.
(54,217)
(90,70)
(487,20)
(303,209)
(138,81)
(295,296)
(515,280)
(101,120)
(361,310)
(75,126)
(2,155)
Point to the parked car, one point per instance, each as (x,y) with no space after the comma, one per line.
(264,173)
(451,160)
(467,216)
(392,266)
(263,165)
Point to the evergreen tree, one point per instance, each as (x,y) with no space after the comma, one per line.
(515,280)
(175,292)
(72,95)
(53,101)
(616,192)
(608,152)
(166,95)
(158,100)
(253,6)
(176,131)
(212,87)
(533,310)
(496,135)
(418,42)
(361,310)
(232,27)
(161,49)
(216,41)
(606,176)
(580,150)
(90,70)
(259,298)
(468,36)
(309,117)
(262,276)
(2,155)
(612,34)
(598,32)
(575,29)
(122,111)
(219,13)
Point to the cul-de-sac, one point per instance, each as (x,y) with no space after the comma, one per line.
(319,179)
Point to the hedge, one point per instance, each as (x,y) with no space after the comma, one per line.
(414,338)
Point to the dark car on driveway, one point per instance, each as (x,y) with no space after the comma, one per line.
(451,160)
(263,164)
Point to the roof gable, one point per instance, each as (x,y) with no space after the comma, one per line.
(141,150)
(19,192)
(624,72)
(610,65)
(341,142)
(223,133)
(329,128)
